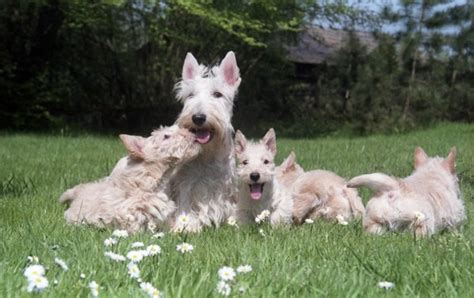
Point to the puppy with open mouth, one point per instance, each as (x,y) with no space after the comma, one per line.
(258,189)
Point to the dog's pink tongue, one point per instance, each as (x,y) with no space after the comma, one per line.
(203,136)
(256,191)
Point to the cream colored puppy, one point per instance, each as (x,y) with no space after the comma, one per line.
(319,194)
(425,202)
(258,190)
(134,194)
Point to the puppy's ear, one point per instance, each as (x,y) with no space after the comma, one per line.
(420,157)
(134,146)
(289,163)
(240,142)
(190,67)
(269,140)
(230,70)
(450,162)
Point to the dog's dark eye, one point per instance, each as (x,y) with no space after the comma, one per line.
(245,162)
(266,161)
(217,94)
(166,137)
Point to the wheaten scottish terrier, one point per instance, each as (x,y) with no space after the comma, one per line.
(258,189)
(319,194)
(203,188)
(134,194)
(425,202)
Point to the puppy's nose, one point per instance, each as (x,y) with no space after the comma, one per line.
(199,119)
(254,176)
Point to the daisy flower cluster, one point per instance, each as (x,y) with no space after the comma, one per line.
(262,216)
(232,221)
(227,275)
(94,287)
(37,282)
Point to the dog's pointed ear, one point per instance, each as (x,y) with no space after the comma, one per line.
(134,146)
(190,67)
(269,140)
(289,163)
(420,157)
(449,162)
(229,70)
(240,142)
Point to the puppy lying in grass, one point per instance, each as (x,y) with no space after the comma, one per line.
(258,190)
(425,202)
(134,194)
(318,194)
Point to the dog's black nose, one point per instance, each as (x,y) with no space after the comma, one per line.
(199,119)
(254,176)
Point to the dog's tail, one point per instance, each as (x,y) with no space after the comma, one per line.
(375,181)
(68,196)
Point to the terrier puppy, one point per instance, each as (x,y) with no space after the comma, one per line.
(425,202)
(203,188)
(134,194)
(318,193)
(258,189)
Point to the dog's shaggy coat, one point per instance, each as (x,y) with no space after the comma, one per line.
(426,202)
(258,188)
(204,188)
(318,194)
(134,194)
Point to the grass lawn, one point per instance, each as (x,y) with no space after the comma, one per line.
(322,259)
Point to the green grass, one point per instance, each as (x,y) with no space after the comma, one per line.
(322,259)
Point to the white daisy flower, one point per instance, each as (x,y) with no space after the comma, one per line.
(33,259)
(386,285)
(226,273)
(262,216)
(262,232)
(153,249)
(223,288)
(309,221)
(151,226)
(94,287)
(244,269)
(114,256)
(150,290)
(133,270)
(82,276)
(33,271)
(137,244)
(55,281)
(341,220)
(232,221)
(183,219)
(61,264)
(158,235)
(242,289)
(184,247)
(110,241)
(136,255)
(37,284)
(120,233)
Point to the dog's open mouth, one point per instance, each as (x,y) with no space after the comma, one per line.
(203,135)
(256,190)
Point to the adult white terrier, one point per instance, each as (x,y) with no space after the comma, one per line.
(426,202)
(258,188)
(319,194)
(203,188)
(134,194)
